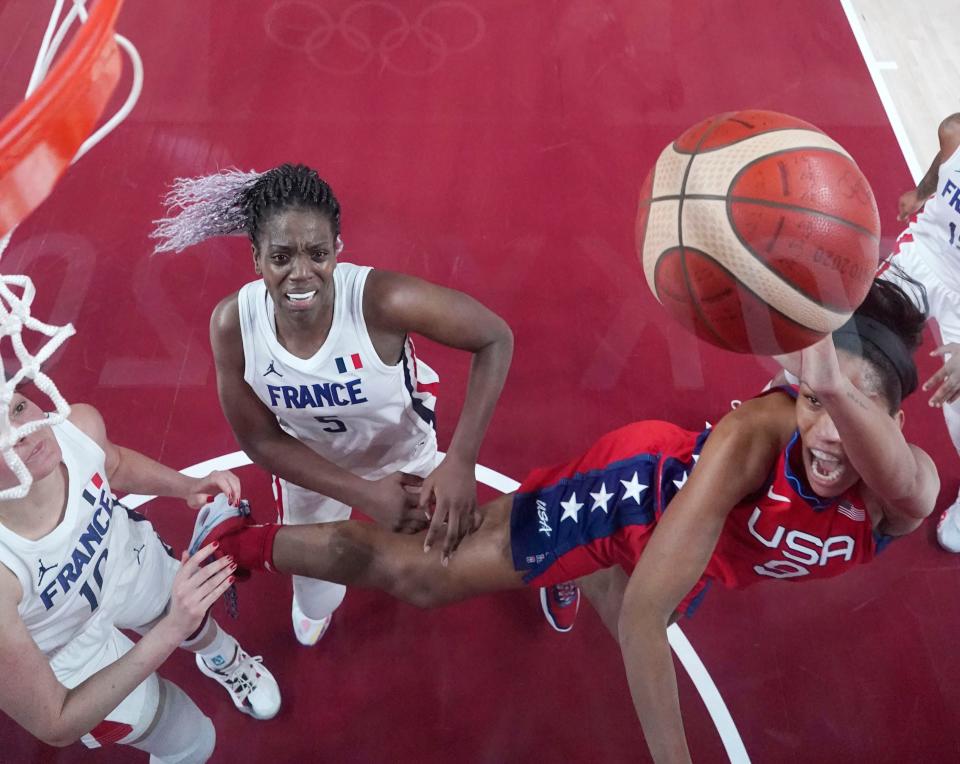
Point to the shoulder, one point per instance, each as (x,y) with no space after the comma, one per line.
(949,134)
(89,421)
(388,293)
(752,436)
(226,315)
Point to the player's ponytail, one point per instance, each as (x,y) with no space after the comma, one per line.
(236,202)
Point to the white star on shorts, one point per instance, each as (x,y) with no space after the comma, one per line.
(570,508)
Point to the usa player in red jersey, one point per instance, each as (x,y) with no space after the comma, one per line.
(799,483)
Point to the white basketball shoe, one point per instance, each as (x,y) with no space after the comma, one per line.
(307,631)
(948,529)
(252,688)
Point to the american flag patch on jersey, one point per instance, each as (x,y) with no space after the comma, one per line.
(854,513)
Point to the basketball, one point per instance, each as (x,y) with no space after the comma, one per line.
(758,232)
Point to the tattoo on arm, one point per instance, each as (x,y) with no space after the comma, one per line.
(855,396)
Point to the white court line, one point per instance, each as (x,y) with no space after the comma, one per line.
(889,106)
(729,736)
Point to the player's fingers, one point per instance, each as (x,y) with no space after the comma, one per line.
(436,525)
(452,537)
(213,581)
(209,598)
(426,495)
(197,577)
(194,562)
(936,378)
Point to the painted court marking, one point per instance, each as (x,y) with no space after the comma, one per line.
(723,721)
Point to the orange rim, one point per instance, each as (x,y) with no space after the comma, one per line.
(40,137)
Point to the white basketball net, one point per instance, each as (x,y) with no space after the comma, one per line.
(14,318)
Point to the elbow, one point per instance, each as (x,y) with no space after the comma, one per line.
(58,736)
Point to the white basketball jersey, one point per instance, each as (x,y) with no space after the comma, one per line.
(937,226)
(345,403)
(67,575)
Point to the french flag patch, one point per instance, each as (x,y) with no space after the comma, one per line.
(347,363)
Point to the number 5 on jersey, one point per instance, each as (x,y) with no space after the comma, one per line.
(333,424)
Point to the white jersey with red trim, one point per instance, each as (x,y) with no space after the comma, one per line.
(344,402)
(937,226)
(66,576)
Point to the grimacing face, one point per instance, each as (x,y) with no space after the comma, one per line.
(826,465)
(296,253)
(39,450)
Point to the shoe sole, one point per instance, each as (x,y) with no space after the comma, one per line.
(548,615)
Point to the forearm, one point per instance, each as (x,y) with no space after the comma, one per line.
(488,372)
(88,704)
(288,458)
(872,440)
(928,184)
(653,687)
(137,473)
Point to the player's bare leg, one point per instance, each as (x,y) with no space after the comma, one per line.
(604,589)
(362,554)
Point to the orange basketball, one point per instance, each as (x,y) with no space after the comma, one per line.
(758,232)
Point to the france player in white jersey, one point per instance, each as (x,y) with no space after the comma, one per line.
(317,373)
(76,567)
(929,252)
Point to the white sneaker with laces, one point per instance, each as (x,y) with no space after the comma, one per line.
(948,529)
(252,688)
(307,631)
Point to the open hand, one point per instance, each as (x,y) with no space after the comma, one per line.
(450,491)
(195,588)
(947,377)
(393,501)
(910,202)
(218,481)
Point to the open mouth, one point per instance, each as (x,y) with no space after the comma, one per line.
(825,467)
(301,299)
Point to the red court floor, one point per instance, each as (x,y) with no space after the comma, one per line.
(498,148)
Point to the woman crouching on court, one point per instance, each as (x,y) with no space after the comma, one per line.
(317,374)
(793,485)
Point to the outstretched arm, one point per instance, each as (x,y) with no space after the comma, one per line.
(949,136)
(735,462)
(405,305)
(900,475)
(130,471)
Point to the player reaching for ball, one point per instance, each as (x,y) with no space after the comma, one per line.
(928,251)
(794,485)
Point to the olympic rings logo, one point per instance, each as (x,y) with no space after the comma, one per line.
(375,30)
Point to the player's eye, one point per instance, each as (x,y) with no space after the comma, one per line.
(812,399)
(20,407)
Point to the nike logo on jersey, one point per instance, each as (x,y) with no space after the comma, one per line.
(776,496)
(272,370)
(43,570)
(317,395)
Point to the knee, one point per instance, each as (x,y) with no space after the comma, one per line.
(419,587)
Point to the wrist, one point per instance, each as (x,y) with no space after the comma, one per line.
(167,633)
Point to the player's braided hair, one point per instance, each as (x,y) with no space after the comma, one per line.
(234,202)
